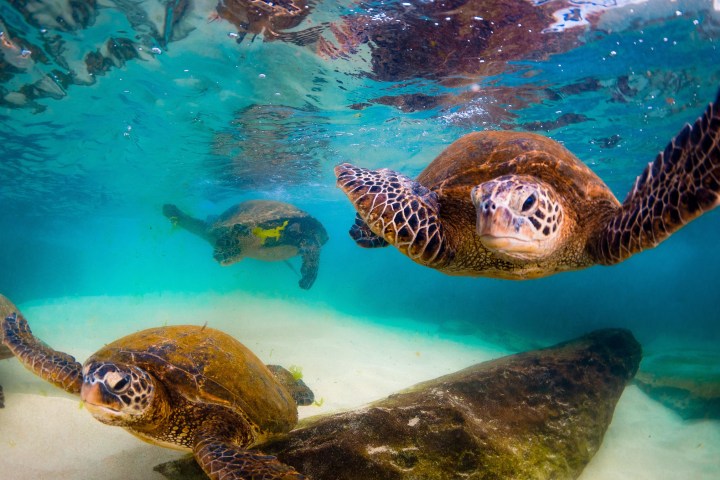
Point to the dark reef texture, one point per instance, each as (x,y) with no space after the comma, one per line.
(535,415)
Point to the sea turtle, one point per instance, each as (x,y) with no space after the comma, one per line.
(183,387)
(260,229)
(6,308)
(519,205)
(271,18)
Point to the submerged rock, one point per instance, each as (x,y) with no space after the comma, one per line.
(687,382)
(535,415)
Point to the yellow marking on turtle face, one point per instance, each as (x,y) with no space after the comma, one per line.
(265,233)
(174,221)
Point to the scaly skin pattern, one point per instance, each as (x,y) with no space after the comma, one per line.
(681,184)
(364,236)
(221,459)
(437,234)
(400,210)
(58,368)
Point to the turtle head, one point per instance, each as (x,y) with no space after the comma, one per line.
(118,394)
(518,217)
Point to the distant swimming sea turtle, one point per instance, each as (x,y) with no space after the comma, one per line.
(260,229)
(6,308)
(518,205)
(183,387)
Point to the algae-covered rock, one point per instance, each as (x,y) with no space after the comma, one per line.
(536,415)
(686,381)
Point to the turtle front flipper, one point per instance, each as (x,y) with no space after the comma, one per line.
(310,253)
(221,459)
(398,209)
(681,184)
(364,237)
(58,368)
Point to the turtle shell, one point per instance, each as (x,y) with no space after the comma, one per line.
(6,308)
(295,225)
(207,366)
(481,156)
(258,212)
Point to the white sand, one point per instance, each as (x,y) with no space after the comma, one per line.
(45,434)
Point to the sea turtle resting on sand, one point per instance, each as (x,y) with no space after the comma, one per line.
(518,205)
(260,229)
(184,387)
(6,308)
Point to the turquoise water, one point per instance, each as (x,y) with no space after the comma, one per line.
(87,161)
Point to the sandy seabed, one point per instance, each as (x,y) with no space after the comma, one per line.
(347,361)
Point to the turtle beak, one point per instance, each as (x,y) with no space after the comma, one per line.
(485,209)
(96,398)
(492,218)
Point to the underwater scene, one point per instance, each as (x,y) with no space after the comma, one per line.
(359,240)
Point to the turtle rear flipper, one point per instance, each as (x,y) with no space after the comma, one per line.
(364,237)
(403,212)
(178,218)
(222,459)
(681,184)
(310,253)
(300,392)
(58,368)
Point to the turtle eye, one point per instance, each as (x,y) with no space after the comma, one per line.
(121,384)
(529,202)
